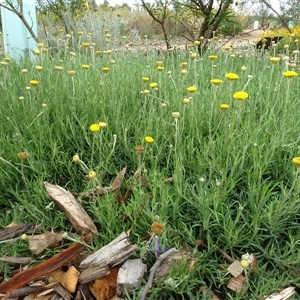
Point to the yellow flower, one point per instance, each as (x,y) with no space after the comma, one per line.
(23,237)
(241,95)
(149,139)
(224,107)
(290,74)
(212,57)
(36,51)
(296,161)
(8,59)
(153,85)
(197,43)
(86,45)
(98,52)
(76,158)
(86,67)
(91,175)
(157,227)
(183,64)
(145,92)
(193,55)
(33,82)
(71,73)
(160,68)
(105,69)
(244,263)
(232,76)
(59,68)
(108,51)
(102,124)
(24,71)
(39,68)
(216,81)
(274,60)
(186,100)
(4,63)
(139,149)
(112,61)
(145,79)
(159,63)
(22,155)
(79,32)
(243,68)
(175,115)
(227,48)
(95,127)
(184,71)
(191,89)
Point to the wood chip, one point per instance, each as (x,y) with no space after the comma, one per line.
(62,292)
(69,279)
(105,287)
(93,273)
(175,260)
(38,243)
(235,269)
(116,252)
(47,266)
(236,284)
(15,230)
(16,260)
(283,295)
(80,220)
(130,275)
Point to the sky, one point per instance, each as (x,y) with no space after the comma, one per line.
(275,3)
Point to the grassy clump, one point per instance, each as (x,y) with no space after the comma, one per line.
(235,187)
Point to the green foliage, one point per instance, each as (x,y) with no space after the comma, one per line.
(233,183)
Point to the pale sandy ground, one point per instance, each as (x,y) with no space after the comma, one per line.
(246,38)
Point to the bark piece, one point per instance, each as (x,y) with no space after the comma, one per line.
(130,275)
(105,287)
(55,276)
(74,211)
(69,279)
(38,243)
(236,284)
(64,293)
(16,230)
(114,253)
(172,261)
(25,291)
(91,274)
(43,268)
(283,295)
(16,260)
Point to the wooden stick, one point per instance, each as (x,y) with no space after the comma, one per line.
(153,270)
(43,268)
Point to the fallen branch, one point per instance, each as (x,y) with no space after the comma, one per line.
(153,270)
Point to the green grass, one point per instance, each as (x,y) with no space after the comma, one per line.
(234,186)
